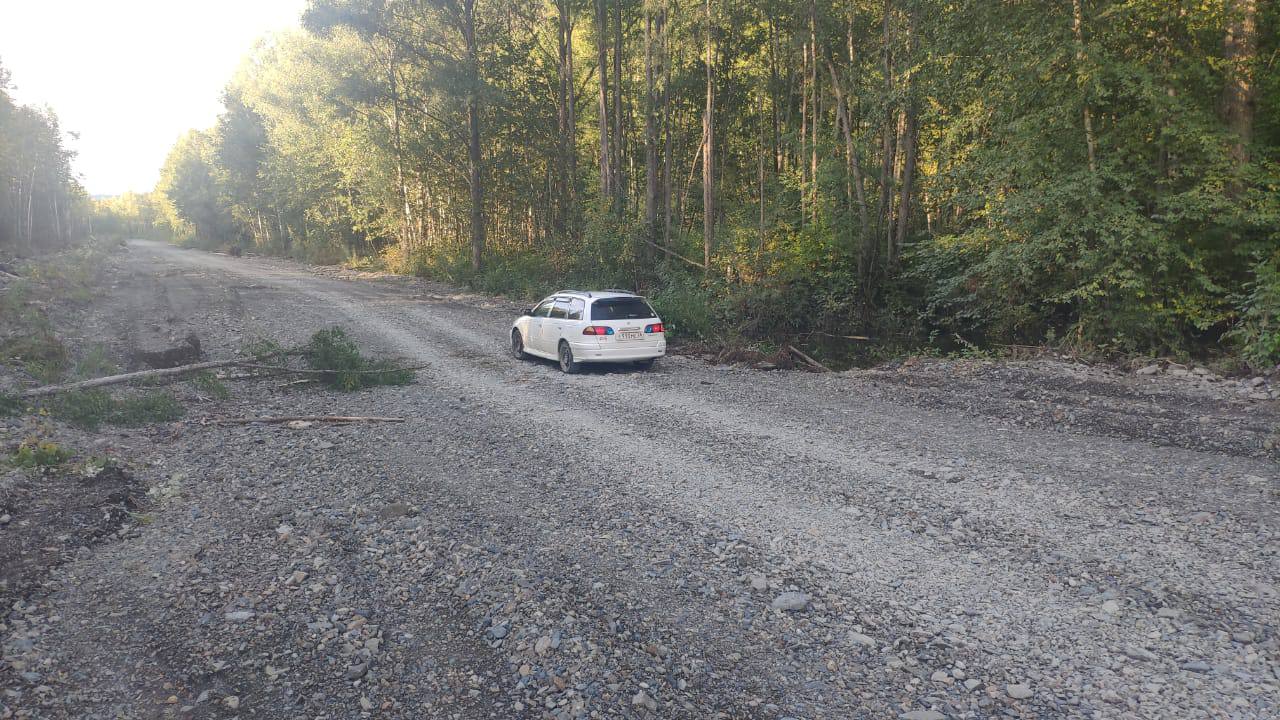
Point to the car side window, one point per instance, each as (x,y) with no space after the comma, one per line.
(544,309)
(576,306)
(560,310)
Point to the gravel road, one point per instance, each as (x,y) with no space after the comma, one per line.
(940,540)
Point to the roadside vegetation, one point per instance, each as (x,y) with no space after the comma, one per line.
(1094,176)
(66,281)
(1097,177)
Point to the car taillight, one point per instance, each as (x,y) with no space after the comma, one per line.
(654,328)
(597,330)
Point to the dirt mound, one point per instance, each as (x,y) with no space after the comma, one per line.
(47,517)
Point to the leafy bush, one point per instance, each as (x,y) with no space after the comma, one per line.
(345,367)
(686,308)
(34,453)
(1258,331)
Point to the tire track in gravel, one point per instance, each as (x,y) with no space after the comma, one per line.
(665,428)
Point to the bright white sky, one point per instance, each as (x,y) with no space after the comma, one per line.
(131,76)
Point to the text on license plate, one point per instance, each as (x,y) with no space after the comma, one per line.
(630,335)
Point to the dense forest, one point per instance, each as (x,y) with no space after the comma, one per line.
(1094,173)
(43,206)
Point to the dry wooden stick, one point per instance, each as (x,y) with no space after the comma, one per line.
(127,377)
(808,359)
(286,370)
(306,418)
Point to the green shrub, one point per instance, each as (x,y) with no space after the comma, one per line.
(1257,332)
(34,453)
(345,367)
(209,384)
(686,309)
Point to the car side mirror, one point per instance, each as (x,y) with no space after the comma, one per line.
(526,312)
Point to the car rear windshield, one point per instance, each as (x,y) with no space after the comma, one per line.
(621,309)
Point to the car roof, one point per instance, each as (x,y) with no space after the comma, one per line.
(595,294)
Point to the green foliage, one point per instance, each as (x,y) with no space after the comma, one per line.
(95,363)
(334,352)
(134,215)
(42,205)
(1258,331)
(90,409)
(42,355)
(261,348)
(209,383)
(1083,179)
(33,453)
(687,309)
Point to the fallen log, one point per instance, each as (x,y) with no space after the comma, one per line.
(808,359)
(280,370)
(197,367)
(306,418)
(127,377)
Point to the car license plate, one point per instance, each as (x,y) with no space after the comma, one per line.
(630,335)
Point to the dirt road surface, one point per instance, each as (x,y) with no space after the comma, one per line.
(945,540)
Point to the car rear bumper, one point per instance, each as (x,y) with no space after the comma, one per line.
(599,352)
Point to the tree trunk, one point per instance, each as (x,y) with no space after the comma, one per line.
(667,167)
(814,132)
(910,138)
(1077,27)
(851,154)
(889,145)
(650,136)
(1239,96)
(398,148)
(619,185)
(803,155)
(760,149)
(602,70)
(565,107)
(474,159)
(708,155)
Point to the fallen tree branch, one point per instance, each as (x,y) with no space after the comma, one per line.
(846,337)
(808,359)
(128,377)
(306,418)
(287,371)
(673,253)
(197,367)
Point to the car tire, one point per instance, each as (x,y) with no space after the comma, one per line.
(568,364)
(517,346)
(645,364)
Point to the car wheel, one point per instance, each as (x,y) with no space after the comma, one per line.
(567,363)
(645,364)
(517,346)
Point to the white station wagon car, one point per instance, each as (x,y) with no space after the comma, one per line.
(576,326)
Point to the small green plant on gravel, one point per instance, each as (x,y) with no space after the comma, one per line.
(89,409)
(10,405)
(34,453)
(41,354)
(334,352)
(262,348)
(209,384)
(95,363)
